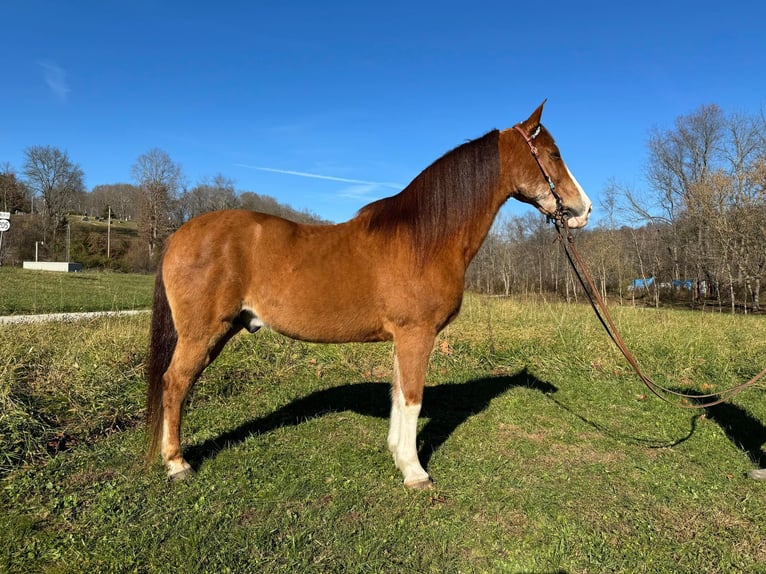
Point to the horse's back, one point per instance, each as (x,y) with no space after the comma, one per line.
(313,282)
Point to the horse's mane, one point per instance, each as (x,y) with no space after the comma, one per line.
(443,198)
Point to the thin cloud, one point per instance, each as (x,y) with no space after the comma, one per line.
(320,176)
(358,191)
(55,77)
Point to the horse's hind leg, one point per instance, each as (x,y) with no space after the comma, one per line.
(412,353)
(191,356)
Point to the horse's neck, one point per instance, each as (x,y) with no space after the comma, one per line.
(476,229)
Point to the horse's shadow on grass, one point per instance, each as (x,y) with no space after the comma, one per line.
(743,430)
(446,407)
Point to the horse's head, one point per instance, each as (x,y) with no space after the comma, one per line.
(539,175)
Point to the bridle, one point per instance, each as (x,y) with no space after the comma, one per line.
(560,215)
(565,237)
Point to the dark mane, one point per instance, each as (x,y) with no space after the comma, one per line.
(442,198)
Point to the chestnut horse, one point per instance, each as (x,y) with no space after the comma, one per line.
(394,272)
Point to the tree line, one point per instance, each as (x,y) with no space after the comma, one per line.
(696,234)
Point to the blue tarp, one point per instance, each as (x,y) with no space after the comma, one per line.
(642,283)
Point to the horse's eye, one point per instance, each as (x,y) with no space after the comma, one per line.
(555,155)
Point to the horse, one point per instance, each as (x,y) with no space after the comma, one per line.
(394,272)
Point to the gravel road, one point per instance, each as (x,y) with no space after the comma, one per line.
(16,319)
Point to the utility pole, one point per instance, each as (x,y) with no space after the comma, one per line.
(108,231)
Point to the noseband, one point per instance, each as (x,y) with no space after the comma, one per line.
(560,215)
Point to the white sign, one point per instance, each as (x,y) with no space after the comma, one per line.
(5,214)
(5,225)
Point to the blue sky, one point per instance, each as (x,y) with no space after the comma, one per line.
(330,105)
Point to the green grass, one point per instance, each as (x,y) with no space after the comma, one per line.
(23,291)
(547,455)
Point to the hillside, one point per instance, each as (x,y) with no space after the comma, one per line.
(97,244)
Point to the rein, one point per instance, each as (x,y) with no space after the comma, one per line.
(600,308)
(565,237)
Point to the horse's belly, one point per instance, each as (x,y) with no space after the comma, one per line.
(318,319)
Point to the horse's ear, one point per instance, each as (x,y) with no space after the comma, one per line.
(531,124)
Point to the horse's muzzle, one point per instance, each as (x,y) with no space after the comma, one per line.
(578,221)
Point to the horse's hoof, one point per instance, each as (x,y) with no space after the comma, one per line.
(758,474)
(420,484)
(181,475)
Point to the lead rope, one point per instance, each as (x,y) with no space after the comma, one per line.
(599,306)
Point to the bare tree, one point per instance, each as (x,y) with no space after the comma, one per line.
(159,180)
(121,198)
(56,180)
(614,254)
(678,160)
(209,195)
(736,208)
(52,175)
(706,203)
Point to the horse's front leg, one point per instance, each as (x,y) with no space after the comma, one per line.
(412,353)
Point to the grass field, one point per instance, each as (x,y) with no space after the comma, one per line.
(23,291)
(547,454)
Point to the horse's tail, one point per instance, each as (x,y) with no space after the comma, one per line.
(162,344)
